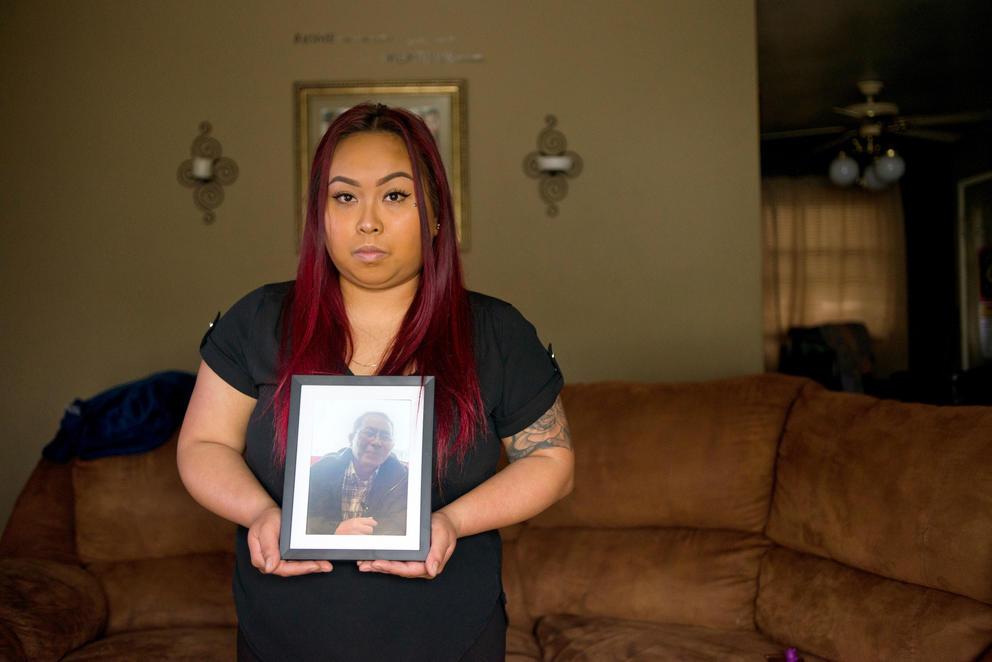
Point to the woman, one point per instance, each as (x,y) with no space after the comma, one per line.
(378,291)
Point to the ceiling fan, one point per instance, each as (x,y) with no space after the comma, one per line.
(875,117)
(871,163)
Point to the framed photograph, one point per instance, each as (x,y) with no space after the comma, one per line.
(441,104)
(358,468)
(975,269)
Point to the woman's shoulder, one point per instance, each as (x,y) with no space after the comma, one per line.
(494,314)
(498,323)
(485,306)
(260,309)
(266,300)
(242,346)
(518,376)
(270,292)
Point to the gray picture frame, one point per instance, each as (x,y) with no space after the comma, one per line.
(322,410)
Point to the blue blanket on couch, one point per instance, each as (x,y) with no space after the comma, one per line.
(130,418)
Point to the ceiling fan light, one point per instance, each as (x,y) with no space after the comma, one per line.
(843,170)
(890,167)
(871,180)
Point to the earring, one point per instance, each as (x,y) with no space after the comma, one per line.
(438,226)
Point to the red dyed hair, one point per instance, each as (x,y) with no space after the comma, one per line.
(436,333)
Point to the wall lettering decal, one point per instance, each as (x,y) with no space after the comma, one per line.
(316,38)
(434,57)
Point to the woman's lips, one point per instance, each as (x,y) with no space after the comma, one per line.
(369,253)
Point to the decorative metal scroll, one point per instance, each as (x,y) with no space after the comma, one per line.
(553,184)
(216,172)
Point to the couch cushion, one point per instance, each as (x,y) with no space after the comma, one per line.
(901,490)
(694,455)
(135,507)
(847,614)
(521,646)
(570,638)
(191,590)
(47,608)
(175,645)
(695,577)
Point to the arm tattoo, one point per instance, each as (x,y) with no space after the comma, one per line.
(549,431)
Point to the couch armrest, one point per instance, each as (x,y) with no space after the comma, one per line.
(47,608)
(42,524)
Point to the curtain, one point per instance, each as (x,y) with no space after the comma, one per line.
(834,255)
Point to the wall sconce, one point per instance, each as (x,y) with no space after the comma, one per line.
(207,172)
(552,164)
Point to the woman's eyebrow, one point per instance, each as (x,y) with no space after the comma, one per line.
(352,182)
(341,178)
(393,175)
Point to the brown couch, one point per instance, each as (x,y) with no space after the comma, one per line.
(715,521)
(111,559)
(727,520)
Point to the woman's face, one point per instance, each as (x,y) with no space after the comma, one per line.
(371,224)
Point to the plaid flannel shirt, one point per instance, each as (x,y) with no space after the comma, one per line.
(354,491)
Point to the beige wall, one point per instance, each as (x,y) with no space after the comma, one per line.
(650,272)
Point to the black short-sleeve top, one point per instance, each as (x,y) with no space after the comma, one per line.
(344,614)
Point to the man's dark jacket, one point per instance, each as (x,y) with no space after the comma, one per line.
(385,501)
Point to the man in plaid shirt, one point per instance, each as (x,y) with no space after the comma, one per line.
(360,489)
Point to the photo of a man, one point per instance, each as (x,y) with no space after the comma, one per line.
(360,489)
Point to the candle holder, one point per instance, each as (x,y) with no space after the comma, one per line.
(552,164)
(207,172)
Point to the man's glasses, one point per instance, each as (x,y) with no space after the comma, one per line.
(369,434)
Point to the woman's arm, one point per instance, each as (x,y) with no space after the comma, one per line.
(213,469)
(539,473)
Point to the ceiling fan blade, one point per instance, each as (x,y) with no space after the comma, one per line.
(931,134)
(949,118)
(801,133)
(839,140)
(847,111)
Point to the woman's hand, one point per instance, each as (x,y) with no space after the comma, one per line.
(443,537)
(263,541)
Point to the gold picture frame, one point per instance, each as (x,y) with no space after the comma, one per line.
(440,102)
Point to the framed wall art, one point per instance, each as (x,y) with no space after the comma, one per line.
(975,269)
(441,103)
(358,463)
